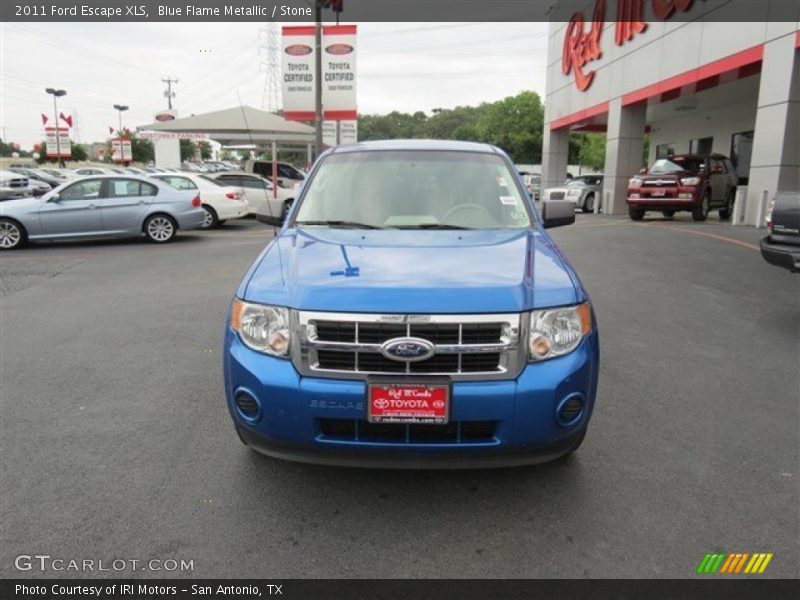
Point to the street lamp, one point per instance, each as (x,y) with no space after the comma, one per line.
(121,108)
(57,94)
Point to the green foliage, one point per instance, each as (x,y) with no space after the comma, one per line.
(187,149)
(79,153)
(514,124)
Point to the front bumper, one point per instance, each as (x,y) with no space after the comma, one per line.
(781,255)
(523,411)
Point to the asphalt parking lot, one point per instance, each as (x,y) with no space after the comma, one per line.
(116,442)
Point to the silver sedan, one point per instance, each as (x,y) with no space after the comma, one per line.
(582,191)
(100,206)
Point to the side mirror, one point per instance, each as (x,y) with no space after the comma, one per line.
(269,220)
(556,213)
(642,171)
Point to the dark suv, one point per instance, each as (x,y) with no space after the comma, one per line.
(690,182)
(782,246)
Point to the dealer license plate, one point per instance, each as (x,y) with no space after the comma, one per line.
(408,403)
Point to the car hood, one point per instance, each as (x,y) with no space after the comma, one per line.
(19,205)
(412,271)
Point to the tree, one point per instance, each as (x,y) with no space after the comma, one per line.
(187,149)
(515,125)
(79,153)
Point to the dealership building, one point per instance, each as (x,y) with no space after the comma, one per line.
(674,70)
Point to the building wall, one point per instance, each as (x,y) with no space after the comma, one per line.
(720,123)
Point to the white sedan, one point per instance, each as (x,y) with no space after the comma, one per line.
(219,201)
(259,193)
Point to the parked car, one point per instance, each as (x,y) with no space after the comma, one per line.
(100,206)
(259,193)
(219,201)
(85,171)
(413,312)
(781,247)
(289,176)
(689,182)
(582,191)
(39,175)
(14,185)
(533,183)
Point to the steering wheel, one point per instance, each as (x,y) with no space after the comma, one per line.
(474,208)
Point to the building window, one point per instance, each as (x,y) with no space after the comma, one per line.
(701,145)
(741,150)
(665,151)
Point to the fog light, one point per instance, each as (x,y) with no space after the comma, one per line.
(571,409)
(248,406)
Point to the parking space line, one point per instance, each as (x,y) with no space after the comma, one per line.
(721,238)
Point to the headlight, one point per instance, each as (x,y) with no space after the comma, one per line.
(262,328)
(558,331)
(573,192)
(690,181)
(635,183)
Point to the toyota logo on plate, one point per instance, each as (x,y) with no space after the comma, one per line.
(407,349)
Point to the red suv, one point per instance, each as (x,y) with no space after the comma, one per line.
(690,182)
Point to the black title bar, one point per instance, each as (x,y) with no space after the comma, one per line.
(288,11)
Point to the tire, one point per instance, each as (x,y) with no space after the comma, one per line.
(160,229)
(588,204)
(636,214)
(12,235)
(287,206)
(700,213)
(727,212)
(210,219)
(668,213)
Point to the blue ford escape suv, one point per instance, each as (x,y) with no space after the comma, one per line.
(413,312)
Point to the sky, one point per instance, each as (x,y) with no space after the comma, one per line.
(401,66)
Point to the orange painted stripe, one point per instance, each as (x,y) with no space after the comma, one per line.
(724,568)
(714,236)
(745,556)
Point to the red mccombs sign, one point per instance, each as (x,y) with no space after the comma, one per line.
(582,41)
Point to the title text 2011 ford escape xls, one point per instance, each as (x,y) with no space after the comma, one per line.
(413,312)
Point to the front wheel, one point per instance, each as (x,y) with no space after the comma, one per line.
(287,206)
(12,235)
(700,213)
(727,212)
(160,229)
(636,214)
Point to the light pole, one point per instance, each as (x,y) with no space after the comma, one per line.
(120,108)
(57,94)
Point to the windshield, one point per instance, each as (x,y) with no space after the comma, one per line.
(676,164)
(414,190)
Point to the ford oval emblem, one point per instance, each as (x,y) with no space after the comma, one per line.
(339,49)
(298,50)
(407,349)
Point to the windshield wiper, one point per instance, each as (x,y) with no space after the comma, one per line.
(352,224)
(433,226)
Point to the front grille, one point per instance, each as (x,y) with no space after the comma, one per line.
(456,432)
(556,195)
(438,333)
(342,343)
(441,363)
